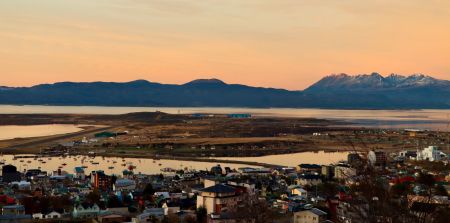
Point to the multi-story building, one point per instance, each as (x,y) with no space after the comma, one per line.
(342,172)
(100,180)
(218,198)
(377,158)
(313,215)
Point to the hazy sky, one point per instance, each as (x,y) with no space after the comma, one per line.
(276,43)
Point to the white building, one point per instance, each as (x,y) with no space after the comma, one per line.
(51,215)
(431,153)
(86,212)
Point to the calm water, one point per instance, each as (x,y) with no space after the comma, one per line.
(16,131)
(146,166)
(150,166)
(322,158)
(423,119)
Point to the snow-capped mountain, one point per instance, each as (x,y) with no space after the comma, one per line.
(375,81)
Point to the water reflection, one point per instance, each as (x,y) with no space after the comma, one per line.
(110,165)
(20,131)
(115,165)
(321,157)
(436,119)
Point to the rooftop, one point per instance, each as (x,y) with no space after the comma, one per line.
(219,188)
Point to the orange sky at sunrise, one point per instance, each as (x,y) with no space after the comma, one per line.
(270,43)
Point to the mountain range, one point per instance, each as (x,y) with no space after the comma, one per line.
(365,91)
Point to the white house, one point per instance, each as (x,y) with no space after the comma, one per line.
(86,212)
(38,216)
(431,153)
(51,215)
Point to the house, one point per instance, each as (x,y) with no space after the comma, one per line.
(169,209)
(313,215)
(308,179)
(86,211)
(111,218)
(308,168)
(13,210)
(150,215)
(342,172)
(51,215)
(124,184)
(218,198)
(22,185)
(297,190)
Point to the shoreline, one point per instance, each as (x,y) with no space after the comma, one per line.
(167,157)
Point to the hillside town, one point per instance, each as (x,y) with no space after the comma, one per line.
(405,186)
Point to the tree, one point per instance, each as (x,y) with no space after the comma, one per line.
(201,214)
(148,191)
(190,219)
(254,210)
(114,202)
(94,196)
(440,190)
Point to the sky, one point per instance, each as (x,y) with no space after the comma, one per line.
(270,43)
